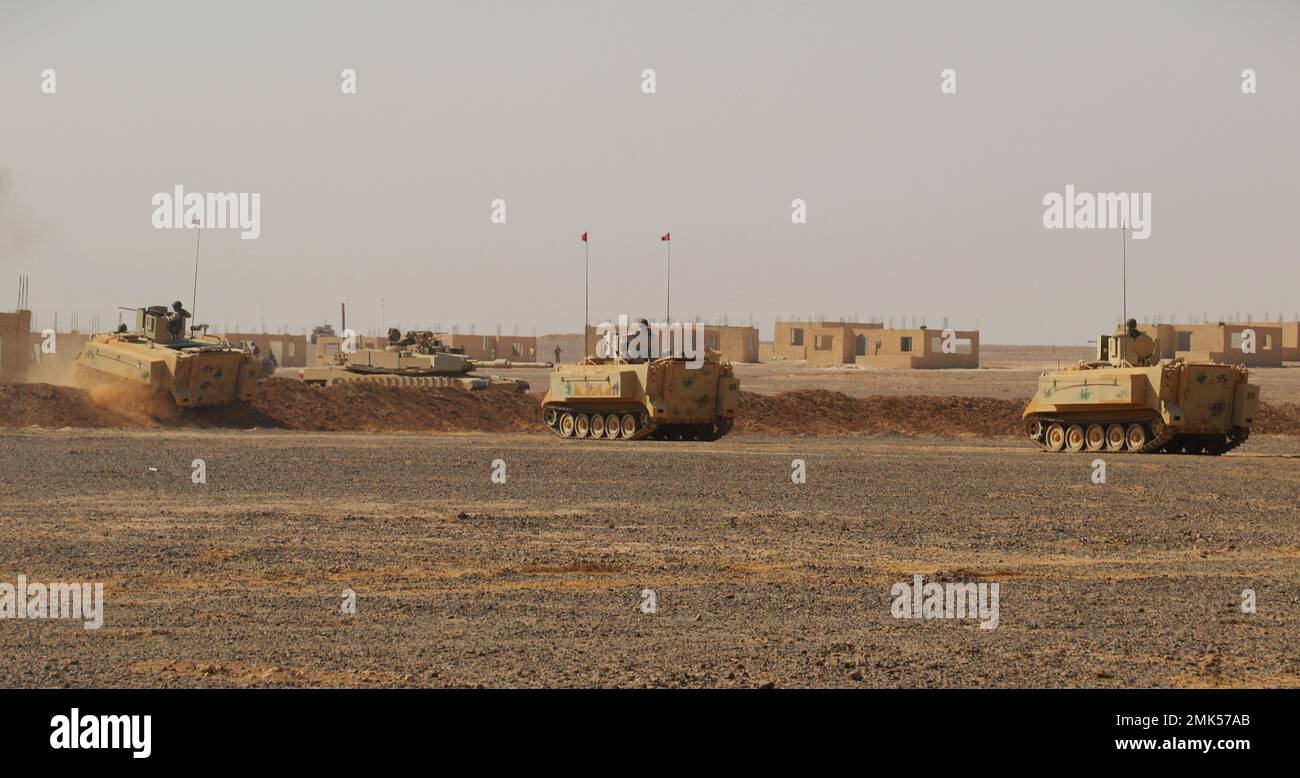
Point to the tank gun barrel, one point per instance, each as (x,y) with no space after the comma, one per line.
(506,363)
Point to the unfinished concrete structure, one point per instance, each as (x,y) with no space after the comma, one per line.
(921,348)
(15,352)
(825,343)
(53,359)
(519,348)
(819,342)
(733,343)
(569,345)
(288,350)
(1290,337)
(1218,342)
(328,345)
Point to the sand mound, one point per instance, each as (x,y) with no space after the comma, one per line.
(361,407)
(820,412)
(358,406)
(46,405)
(1279,419)
(282,404)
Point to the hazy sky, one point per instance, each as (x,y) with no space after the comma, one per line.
(919,203)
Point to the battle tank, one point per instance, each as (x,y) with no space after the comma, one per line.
(162,355)
(415,359)
(637,399)
(1129,400)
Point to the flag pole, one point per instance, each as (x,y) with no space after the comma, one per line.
(1123,231)
(668,296)
(194,297)
(586,294)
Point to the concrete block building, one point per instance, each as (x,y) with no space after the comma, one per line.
(819,342)
(288,350)
(736,344)
(15,341)
(326,346)
(870,344)
(921,349)
(1216,342)
(519,348)
(44,366)
(1290,337)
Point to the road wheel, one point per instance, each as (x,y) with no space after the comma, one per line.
(1075,438)
(597,425)
(567,425)
(1115,437)
(628,425)
(1055,437)
(1034,429)
(582,425)
(550,416)
(1095,437)
(1135,436)
(612,427)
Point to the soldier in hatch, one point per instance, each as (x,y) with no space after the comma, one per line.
(176,320)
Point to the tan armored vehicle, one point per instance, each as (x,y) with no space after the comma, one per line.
(655,399)
(1129,400)
(191,367)
(416,359)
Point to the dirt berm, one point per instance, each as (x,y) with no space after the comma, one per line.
(287,404)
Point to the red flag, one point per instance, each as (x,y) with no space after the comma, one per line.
(584,237)
(666,236)
(195,220)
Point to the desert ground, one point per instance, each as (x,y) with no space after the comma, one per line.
(541,580)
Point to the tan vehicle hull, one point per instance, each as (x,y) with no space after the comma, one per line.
(410,366)
(1196,408)
(193,374)
(329,375)
(663,399)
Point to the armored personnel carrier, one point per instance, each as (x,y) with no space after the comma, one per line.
(413,359)
(1129,400)
(162,355)
(654,399)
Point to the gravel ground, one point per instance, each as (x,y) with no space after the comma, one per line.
(538,581)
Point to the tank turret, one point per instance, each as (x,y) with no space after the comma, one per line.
(415,358)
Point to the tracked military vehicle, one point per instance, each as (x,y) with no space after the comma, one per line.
(642,399)
(1129,400)
(417,358)
(166,357)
